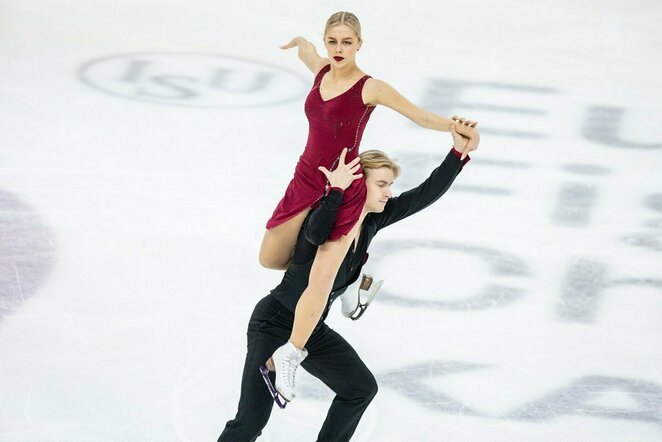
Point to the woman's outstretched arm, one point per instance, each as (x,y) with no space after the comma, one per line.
(379,92)
(307,54)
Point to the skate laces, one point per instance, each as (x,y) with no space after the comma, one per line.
(288,370)
(289,365)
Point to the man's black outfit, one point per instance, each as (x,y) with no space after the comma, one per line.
(330,357)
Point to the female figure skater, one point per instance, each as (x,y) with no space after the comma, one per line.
(337,108)
(331,358)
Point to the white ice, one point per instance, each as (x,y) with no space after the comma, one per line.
(144,144)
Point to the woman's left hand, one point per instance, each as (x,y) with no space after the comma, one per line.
(462,143)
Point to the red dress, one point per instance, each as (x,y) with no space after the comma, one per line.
(333,125)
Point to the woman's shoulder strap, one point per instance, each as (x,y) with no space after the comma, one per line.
(321,73)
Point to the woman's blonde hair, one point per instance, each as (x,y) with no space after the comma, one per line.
(374,159)
(344,18)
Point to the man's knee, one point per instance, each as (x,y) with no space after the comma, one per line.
(370,388)
(364,389)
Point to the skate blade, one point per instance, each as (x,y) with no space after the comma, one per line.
(362,307)
(270,365)
(280,400)
(351,313)
(358,312)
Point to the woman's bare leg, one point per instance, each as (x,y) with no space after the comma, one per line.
(287,358)
(320,282)
(278,243)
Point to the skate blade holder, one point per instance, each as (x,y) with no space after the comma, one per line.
(371,289)
(280,400)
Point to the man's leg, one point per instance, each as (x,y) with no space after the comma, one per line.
(268,329)
(336,363)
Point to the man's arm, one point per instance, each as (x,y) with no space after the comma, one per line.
(318,225)
(420,197)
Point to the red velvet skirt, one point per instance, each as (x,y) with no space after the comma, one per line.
(307,188)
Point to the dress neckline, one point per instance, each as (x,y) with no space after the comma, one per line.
(319,86)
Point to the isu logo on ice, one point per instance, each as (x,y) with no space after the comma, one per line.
(199,80)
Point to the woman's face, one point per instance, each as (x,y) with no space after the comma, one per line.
(378,182)
(341,45)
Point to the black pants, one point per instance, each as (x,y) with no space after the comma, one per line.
(330,358)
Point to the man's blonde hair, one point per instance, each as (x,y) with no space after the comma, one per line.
(375,159)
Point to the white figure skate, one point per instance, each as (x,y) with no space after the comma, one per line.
(358,296)
(285,361)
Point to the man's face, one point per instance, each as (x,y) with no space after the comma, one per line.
(378,182)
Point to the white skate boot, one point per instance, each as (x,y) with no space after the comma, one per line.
(358,296)
(285,361)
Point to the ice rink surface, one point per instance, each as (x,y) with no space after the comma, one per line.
(144,144)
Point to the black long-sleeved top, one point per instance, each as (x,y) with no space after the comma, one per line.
(319,222)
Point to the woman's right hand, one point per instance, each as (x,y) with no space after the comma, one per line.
(307,54)
(343,175)
(293,43)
